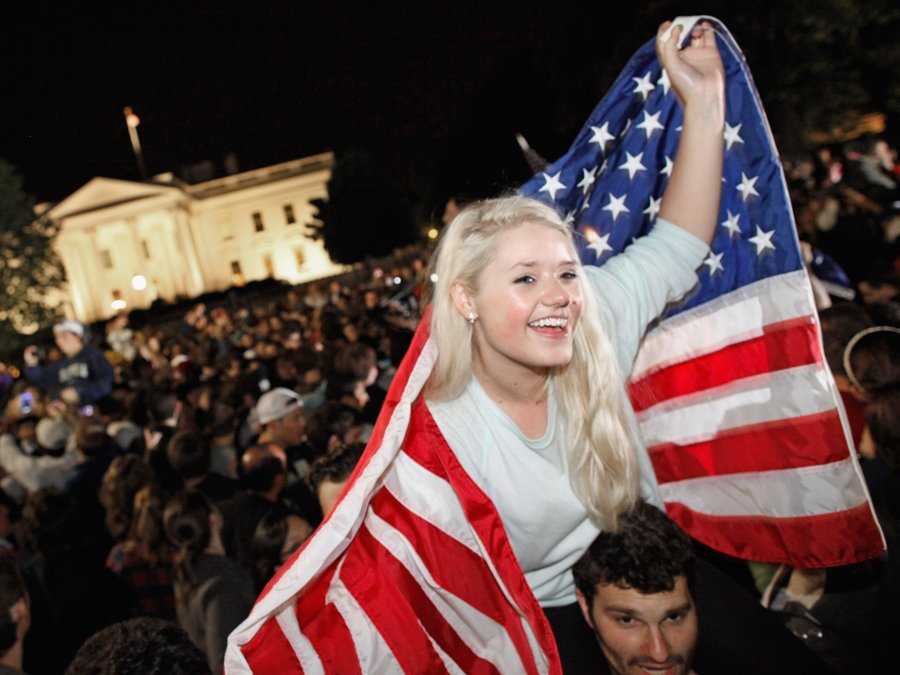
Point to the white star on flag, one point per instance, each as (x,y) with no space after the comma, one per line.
(762,240)
(667,169)
(650,123)
(644,86)
(596,243)
(653,207)
(601,135)
(731,223)
(633,164)
(663,81)
(746,188)
(587,179)
(552,185)
(616,206)
(570,217)
(626,127)
(714,262)
(732,135)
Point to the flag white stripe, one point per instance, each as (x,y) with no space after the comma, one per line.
(734,317)
(329,541)
(793,392)
(431,498)
(372,652)
(469,624)
(305,652)
(785,493)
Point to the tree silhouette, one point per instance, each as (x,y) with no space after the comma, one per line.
(29,266)
(365,214)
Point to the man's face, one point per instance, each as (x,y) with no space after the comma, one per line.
(291,428)
(644,633)
(69,343)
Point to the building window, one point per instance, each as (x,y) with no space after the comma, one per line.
(258,222)
(145,247)
(299,258)
(237,276)
(269,265)
(106,259)
(289,216)
(118,303)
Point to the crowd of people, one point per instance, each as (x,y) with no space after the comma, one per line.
(166,472)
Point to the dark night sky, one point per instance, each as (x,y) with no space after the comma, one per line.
(436,94)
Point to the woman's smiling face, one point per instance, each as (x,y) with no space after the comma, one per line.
(528,301)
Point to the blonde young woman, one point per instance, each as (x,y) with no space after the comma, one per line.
(533,348)
(533,351)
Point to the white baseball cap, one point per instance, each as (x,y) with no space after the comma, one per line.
(69,326)
(275,404)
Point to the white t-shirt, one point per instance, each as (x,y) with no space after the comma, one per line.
(526,478)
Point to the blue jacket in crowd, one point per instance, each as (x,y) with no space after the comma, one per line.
(88,372)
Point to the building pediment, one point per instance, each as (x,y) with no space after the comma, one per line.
(103,193)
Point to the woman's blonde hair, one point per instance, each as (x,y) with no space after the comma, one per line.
(603,466)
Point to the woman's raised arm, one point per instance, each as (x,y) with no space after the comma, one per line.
(691,199)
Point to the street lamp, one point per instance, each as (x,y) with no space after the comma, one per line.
(139,282)
(132,121)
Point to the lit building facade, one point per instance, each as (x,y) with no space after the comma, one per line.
(125,244)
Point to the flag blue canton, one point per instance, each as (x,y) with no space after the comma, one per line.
(610,183)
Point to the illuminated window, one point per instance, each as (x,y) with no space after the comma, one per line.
(289,216)
(237,276)
(258,222)
(299,258)
(269,265)
(145,247)
(106,259)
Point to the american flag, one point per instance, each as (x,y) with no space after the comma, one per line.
(740,415)
(412,572)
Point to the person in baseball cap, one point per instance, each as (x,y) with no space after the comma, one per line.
(281,417)
(83,376)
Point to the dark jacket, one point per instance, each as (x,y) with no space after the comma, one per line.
(218,600)
(88,372)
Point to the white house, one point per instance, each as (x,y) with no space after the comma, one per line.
(126,243)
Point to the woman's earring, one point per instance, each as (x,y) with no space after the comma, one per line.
(471,318)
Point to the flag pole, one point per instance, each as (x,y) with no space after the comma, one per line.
(132,121)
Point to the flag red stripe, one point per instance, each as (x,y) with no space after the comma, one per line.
(270,651)
(431,451)
(313,596)
(454,567)
(332,641)
(370,574)
(404,604)
(825,540)
(791,443)
(325,628)
(787,344)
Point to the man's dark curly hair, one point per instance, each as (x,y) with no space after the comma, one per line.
(144,646)
(647,554)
